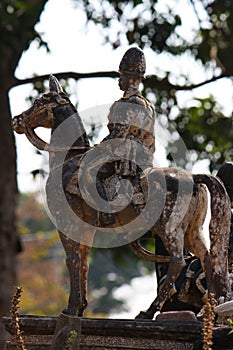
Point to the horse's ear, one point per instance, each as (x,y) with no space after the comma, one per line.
(54,85)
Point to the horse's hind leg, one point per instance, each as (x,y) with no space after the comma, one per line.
(196,238)
(173,243)
(199,248)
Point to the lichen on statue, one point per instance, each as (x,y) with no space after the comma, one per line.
(190,286)
(131,140)
(133,117)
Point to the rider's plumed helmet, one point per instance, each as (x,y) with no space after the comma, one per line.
(133,63)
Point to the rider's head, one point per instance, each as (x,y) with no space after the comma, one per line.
(132,68)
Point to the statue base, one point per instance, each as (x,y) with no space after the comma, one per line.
(43,333)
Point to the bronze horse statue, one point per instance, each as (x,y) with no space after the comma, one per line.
(178,202)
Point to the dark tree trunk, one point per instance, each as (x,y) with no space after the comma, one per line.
(16,40)
(8,194)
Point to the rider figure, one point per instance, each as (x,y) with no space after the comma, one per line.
(132,117)
(130,145)
(131,124)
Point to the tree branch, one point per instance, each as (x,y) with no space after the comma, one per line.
(150,81)
(196,12)
(66,75)
(153,82)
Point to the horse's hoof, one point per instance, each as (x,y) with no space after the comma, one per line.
(66,312)
(143,315)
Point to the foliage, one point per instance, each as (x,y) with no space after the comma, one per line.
(42,271)
(230,321)
(140,21)
(15,318)
(31,215)
(17,21)
(158,25)
(206,130)
(208,322)
(71,340)
(109,270)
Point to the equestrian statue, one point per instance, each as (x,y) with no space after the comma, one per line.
(111,194)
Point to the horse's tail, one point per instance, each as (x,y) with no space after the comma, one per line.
(145,254)
(219,230)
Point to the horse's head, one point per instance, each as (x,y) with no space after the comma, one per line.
(41,113)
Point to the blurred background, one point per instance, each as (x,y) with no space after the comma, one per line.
(188,47)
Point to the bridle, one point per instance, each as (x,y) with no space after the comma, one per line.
(35,139)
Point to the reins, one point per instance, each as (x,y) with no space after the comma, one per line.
(66,162)
(68,148)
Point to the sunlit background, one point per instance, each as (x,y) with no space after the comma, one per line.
(76,46)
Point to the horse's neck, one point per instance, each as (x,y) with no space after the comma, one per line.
(68,132)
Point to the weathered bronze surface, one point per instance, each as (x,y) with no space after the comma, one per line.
(182,213)
(190,286)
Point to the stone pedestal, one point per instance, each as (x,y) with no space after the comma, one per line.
(43,333)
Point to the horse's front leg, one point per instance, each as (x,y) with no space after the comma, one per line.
(73,263)
(84,267)
(84,249)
